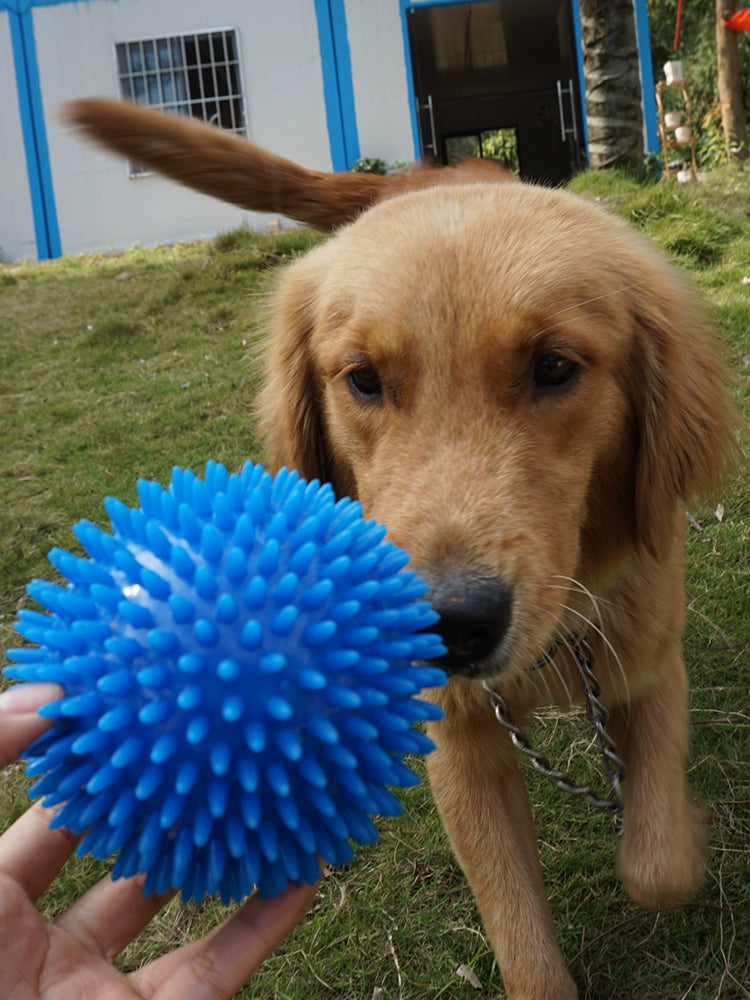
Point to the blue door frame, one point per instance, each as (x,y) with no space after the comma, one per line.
(644,52)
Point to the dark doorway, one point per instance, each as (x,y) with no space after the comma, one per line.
(499,76)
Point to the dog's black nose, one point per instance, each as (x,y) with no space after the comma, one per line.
(475,613)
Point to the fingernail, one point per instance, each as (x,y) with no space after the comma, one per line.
(25,698)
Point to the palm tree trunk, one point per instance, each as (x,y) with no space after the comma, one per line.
(614,112)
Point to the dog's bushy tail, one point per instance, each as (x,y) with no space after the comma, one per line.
(221,164)
(218,163)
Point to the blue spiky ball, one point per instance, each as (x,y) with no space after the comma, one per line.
(240,660)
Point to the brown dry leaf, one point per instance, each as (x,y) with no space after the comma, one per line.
(469,975)
(719,512)
(695,525)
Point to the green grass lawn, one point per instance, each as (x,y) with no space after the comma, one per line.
(115,368)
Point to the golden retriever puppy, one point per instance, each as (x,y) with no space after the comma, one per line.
(526,394)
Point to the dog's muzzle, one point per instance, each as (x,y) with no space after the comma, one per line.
(475,614)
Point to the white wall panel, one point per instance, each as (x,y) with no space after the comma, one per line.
(380,81)
(98,204)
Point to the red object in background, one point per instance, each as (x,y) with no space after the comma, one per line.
(676,42)
(739,21)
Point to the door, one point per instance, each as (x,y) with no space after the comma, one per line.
(499,78)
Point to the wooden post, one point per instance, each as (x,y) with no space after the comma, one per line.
(730,94)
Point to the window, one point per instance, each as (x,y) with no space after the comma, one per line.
(197,74)
(495,144)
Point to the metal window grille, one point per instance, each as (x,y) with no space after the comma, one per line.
(195,74)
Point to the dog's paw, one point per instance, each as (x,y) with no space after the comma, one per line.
(553,987)
(664,867)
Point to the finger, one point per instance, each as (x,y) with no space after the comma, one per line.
(215,967)
(20,723)
(111,913)
(31,853)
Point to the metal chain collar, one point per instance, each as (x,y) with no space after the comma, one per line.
(598,717)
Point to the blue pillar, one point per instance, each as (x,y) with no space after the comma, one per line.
(647,76)
(338,87)
(33,127)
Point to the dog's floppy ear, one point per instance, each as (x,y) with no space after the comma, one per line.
(289,413)
(686,418)
(290,407)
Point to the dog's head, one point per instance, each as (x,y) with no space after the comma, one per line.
(518,387)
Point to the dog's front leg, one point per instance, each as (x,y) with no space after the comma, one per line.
(662,851)
(485,808)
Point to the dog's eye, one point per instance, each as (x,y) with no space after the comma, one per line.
(365,381)
(552,370)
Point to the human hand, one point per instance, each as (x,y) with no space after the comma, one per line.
(20,722)
(71,958)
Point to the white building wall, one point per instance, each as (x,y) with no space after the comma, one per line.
(98,204)
(17,237)
(379,78)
